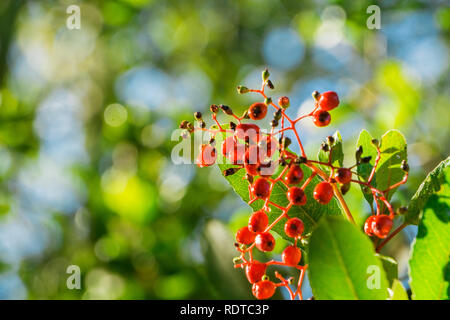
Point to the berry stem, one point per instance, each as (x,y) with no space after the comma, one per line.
(393,234)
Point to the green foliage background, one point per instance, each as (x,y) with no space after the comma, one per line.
(86,118)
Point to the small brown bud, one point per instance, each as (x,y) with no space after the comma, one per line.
(232,125)
(226,109)
(375,142)
(184,124)
(300,160)
(230,171)
(316,95)
(198,115)
(277,115)
(330,140)
(404,166)
(284,102)
(270,84)
(214,108)
(358,154)
(366,159)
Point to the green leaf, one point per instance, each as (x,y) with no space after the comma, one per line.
(343,265)
(390,267)
(430,263)
(430,185)
(398,292)
(393,151)
(337,155)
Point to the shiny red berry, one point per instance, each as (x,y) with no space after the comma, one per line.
(257,111)
(261,188)
(328,100)
(382,225)
(207,156)
(368,225)
(267,146)
(258,221)
(296,196)
(321,118)
(233,150)
(247,132)
(294,175)
(255,271)
(294,227)
(252,160)
(264,241)
(323,192)
(245,236)
(291,255)
(264,289)
(343,175)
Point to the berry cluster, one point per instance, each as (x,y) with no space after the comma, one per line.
(260,153)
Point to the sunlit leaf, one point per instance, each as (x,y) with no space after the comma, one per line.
(343,265)
(430,264)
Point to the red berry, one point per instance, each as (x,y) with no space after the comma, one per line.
(368,225)
(252,160)
(294,227)
(321,118)
(245,236)
(261,188)
(328,100)
(323,192)
(233,150)
(291,255)
(296,196)
(263,289)
(267,146)
(294,175)
(258,221)
(382,225)
(228,145)
(264,241)
(257,111)
(255,270)
(247,132)
(207,156)
(343,175)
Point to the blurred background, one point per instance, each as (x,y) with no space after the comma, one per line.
(87,115)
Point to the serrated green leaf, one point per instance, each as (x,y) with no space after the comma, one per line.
(430,263)
(430,185)
(398,292)
(310,213)
(390,267)
(393,151)
(337,155)
(342,263)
